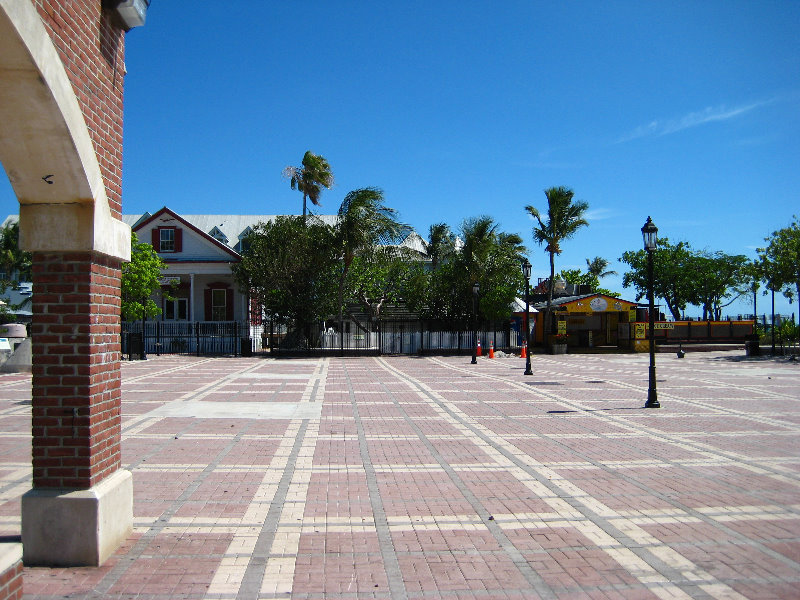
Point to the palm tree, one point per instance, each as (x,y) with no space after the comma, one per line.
(513,241)
(441,243)
(564,218)
(364,222)
(310,178)
(597,267)
(480,236)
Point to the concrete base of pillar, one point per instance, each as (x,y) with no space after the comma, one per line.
(77,528)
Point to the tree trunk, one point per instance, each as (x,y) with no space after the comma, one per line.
(548,315)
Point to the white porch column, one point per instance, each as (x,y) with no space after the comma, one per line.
(191,297)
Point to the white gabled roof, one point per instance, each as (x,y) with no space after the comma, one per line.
(231,226)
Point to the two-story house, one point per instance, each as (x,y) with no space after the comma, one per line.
(199,251)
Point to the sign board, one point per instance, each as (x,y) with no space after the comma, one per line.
(168,280)
(664,326)
(562,327)
(638,331)
(632,315)
(4,345)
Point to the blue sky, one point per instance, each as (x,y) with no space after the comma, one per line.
(685,111)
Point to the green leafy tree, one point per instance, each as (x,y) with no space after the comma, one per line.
(15,264)
(486,256)
(314,174)
(673,279)
(564,217)
(140,278)
(717,277)
(596,269)
(364,222)
(780,261)
(289,267)
(379,276)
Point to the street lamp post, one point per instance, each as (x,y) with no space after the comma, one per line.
(526,271)
(475,289)
(649,234)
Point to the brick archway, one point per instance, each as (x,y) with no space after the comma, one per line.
(61,74)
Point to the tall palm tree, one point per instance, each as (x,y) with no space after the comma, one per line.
(441,243)
(364,222)
(597,267)
(314,175)
(480,235)
(564,217)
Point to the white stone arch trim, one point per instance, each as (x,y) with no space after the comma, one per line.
(43,137)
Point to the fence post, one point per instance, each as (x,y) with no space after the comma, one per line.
(197,337)
(158,338)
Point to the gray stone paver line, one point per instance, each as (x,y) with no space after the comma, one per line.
(783,474)
(484,516)
(684,377)
(126,561)
(663,570)
(394,575)
(694,402)
(181,367)
(253,577)
(139,421)
(687,510)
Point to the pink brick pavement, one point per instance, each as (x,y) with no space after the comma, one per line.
(402,477)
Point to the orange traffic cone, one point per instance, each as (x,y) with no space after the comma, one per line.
(478,351)
(524,353)
(491,350)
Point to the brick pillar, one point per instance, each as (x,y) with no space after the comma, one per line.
(80,495)
(76,378)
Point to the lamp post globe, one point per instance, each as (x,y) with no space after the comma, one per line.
(650,239)
(526,272)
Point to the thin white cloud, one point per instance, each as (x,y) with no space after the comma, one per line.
(693,119)
(598,214)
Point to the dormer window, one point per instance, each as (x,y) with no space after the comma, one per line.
(217,234)
(244,245)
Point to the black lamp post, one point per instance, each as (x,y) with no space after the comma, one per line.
(526,272)
(649,234)
(475,289)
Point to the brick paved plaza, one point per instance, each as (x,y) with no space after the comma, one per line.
(433,478)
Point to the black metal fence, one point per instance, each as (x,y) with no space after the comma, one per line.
(183,337)
(235,338)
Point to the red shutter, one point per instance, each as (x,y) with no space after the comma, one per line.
(156,239)
(178,240)
(207,294)
(229,304)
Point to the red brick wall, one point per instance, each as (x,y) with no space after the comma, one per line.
(11,583)
(76,377)
(92,49)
